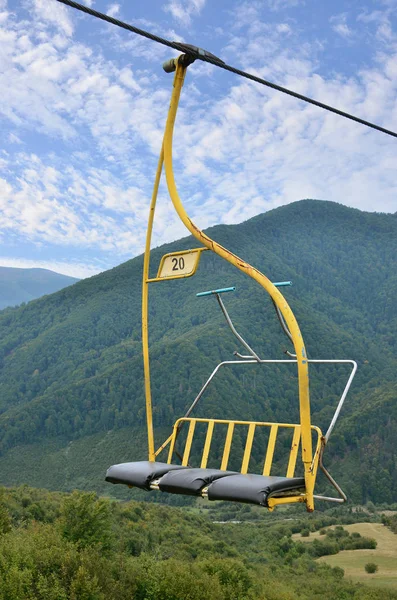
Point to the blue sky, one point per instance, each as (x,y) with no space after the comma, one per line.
(83,106)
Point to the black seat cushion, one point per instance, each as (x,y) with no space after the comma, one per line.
(190,481)
(253,489)
(139,474)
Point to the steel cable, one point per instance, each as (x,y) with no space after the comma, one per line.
(207,57)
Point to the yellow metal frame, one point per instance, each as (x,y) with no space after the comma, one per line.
(302,364)
(252,425)
(251,428)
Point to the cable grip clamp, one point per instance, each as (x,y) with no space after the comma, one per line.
(192,53)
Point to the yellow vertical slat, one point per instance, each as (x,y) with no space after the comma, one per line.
(248,448)
(294,451)
(228,444)
(188,444)
(207,445)
(270,450)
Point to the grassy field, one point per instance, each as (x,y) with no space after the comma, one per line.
(354,561)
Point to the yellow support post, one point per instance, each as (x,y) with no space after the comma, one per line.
(275,294)
(145,302)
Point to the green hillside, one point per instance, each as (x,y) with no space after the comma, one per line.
(22,285)
(71,370)
(56,546)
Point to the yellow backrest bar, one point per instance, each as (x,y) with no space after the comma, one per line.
(251,425)
(248,448)
(188,445)
(207,444)
(228,444)
(294,452)
(270,450)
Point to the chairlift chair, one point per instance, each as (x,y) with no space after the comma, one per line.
(264,489)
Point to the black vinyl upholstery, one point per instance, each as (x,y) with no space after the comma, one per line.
(222,485)
(139,474)
(253,489)
(190,481)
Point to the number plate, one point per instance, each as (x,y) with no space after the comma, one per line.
(179,264)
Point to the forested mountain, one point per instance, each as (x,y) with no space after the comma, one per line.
(22,285)
(71,377)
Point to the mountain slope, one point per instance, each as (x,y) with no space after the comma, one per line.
(70,364)
(22,285)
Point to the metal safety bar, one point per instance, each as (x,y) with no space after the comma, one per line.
(251,360)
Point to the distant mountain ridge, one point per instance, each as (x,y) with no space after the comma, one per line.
(72,400)
(22,285)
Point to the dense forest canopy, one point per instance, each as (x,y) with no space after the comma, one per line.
(71,371)
(80,547)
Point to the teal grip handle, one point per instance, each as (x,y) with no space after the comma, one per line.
(282,283)
(220,291)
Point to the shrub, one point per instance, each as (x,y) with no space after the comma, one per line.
(305,533)
(371,568)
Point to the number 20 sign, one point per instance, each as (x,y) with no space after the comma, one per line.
(179,264)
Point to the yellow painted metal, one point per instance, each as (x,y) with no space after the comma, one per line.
(188,445)
(272,502)
(274,428)
(207,444)
(145,303)
(163,445)
(195,254)
(270,449)
(228,445)
(172,445)
(294,452)
(248,448)
(237,422)
(275,294)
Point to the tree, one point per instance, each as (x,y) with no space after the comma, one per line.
(86,520)
(371,567)
(5,519)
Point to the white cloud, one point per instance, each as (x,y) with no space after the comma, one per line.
(58,90)
(184,10)
(382,20)
(277,5)
(55,14)
(76,207)
(283,28)
(113,10)
(240,148)
(14,139)
(340,26)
